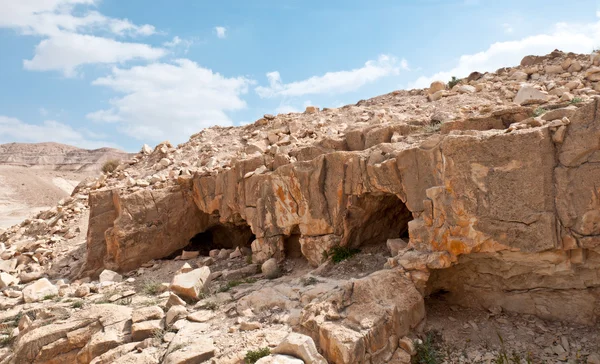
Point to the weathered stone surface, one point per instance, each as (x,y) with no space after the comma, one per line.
(280,359)
(528,95)
(145,329)
(355,321)
(300,346)
(147,314)
(270,269)
(39,290)
(191,284)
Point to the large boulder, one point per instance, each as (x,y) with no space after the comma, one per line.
(191,284)
(300,346)
(39,290)
(530,95)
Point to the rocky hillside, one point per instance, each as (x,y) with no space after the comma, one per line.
(454,224)
(57,156)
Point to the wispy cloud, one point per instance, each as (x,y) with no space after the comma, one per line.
(508,28)
(175,99)
(333,82)
(74,34)
(221,32)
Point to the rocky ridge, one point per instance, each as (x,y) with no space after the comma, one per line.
(483,192)
(57,156)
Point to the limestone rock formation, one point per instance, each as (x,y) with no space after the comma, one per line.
(484,192)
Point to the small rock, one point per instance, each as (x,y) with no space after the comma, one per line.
(280,359)
(249,326)
(110,276)
(143,330)
(395,245)
(7,280)
(270,268)
(147,314)
(311,109)
(82,291)
(435,87)
(174,300)
(407,345)
(201,316)
(175,313)
(185,255)
(300,346)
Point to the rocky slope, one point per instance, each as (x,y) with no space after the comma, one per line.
(34,177)
(482,193)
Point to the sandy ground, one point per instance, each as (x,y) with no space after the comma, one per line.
(26,191)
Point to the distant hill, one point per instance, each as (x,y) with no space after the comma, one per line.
(57,156)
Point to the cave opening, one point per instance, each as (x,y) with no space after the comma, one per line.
(291,245)
(221,236)
(372,219)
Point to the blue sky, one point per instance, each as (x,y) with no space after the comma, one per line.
(123,73)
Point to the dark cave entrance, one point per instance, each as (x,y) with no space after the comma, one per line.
(226,236)
(372,219)
(291,245)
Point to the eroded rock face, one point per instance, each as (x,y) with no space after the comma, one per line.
(526,189)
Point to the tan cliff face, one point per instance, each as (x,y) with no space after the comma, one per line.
(486,191)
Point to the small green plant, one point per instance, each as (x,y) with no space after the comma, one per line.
(211,305)
(125,301)
(433,128)
(453,82)
(539,111)
(235,283)
(77,304)
(6,338)
(49,297)
(576,100)
(110,165)
(152,288)
(252,356)
(504,358)
(309,281)
(159,334)
(341,253)
(177,347)
(248,259)
(428,352)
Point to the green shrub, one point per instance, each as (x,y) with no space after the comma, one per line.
(539,111)
(576,100)
(252,356)
(110,165)
(453,82)
(428,352)
(152,288)
(340,253)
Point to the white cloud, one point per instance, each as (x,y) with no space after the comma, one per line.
(220,32)
(333,82)
(508,28)
(68,51)
(578,38)
(170,100)
(14,130)
(52,17)
(72,34)
(598,13)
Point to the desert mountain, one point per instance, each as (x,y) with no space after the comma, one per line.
(57,156)
(34,177)
(454,224)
